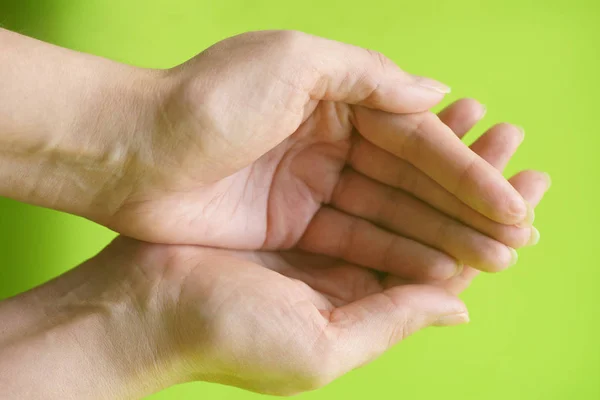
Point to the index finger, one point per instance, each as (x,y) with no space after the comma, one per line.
(427,143)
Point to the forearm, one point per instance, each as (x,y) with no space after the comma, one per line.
(70,125)
(81,337)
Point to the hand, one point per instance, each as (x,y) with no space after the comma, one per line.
(259,149)
(240,147)
(154,154)
(141,317)
(330,191)
(325,317)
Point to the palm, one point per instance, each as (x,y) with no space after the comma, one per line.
(301,195)
(292,344)
(315,311)
(268,204)
(271,203)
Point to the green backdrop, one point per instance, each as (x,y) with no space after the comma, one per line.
(535,328)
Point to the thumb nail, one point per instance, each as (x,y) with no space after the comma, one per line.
(452,319)
(432,84)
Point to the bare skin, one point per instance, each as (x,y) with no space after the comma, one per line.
(265,141)
(310,163)
(140,317)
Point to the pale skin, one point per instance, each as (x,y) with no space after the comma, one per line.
(249,154)
(139,317)
(254,144)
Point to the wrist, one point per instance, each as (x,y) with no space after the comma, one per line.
(71,134)
(92,330)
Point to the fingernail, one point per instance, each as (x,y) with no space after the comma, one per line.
(446,271)
(534,238)
(522,130)
(529,217)
(548,180)
(459,268)
(432,84)
(514,257)
(518,208)
(452,320)
(483,111)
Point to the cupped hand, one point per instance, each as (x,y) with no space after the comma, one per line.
(253,136)
(268,134)
(154,315)
(278,323)
(283,322)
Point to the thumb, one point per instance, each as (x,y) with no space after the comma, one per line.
(368,327)
(341,72)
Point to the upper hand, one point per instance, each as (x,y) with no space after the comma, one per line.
(264,165)
(272,140)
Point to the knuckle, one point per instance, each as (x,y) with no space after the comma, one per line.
(513,236)
(413,139)
(386,213)
(441,233)
(380,61)
(398,332)
(370,78)
(409,178)
(291,40)
(465,175)
(343,189)
(348,245)
(389,256)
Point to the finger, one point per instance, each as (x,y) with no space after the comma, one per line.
(462,115)
(365,329)
(499,144)
(496,147)
(424,141)
(532,185)
(357,241)
(332,277)
(409,217)
(335,71)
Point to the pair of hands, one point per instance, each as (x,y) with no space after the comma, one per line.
(318,154)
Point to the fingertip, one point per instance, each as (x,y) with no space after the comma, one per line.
(529,217)
(548,180)
(462,115)
(432,84)
(534,238)
(452,319)
(508,259)
(531,184)
(514,257)
(483,111)
(517,211)
(443,271)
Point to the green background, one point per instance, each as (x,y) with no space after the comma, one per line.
(535,328)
